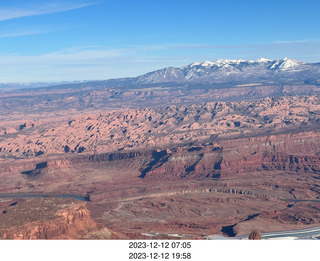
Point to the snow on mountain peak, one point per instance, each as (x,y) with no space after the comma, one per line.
(222,62)
(204,64)
(263,60)
(232,70)
(207,63)
(282,65)
(195,64)
(286,64)
(218,63)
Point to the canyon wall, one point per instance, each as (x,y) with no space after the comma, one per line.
(47,219)
(286,152)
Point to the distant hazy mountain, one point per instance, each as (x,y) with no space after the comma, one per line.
(265,71)
(285,70)
(23,85)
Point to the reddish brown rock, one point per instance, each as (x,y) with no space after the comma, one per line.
(192,169)
(47,219)
(255,235)
(160,128)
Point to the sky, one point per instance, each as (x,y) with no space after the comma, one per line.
(75,40)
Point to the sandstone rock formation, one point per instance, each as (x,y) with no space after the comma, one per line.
(42,218)
(255,235)
(157,128)
(193,169)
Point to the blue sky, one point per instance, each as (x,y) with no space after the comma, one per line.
(57,40)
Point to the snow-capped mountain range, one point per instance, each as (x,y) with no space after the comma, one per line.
(220,71)
(231,72)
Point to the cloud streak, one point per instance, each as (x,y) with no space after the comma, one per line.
(96,62)
(17,34)
(69,64)
(240,46)
(305,50)
(82,63)
(9,13)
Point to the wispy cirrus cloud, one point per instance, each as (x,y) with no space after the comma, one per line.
(305,50)
(240,46)
(99,62)
(16,34)
(12,12)
(82,63)
(68,64)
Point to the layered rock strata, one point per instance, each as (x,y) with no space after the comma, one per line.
(43,218)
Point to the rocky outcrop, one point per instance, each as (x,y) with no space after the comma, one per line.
(297,152)
(255,235)
(160,128)
(184,162)
(47,219)
(191,166)
(286,152)
(285,162)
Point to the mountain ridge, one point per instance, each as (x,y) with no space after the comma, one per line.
(262,70)
(225,70)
